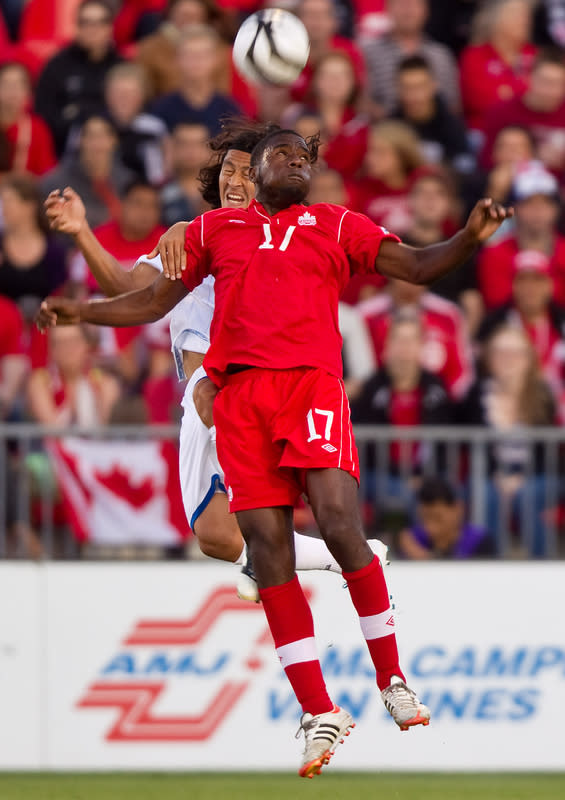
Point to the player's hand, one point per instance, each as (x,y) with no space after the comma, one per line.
(65,211)
(486,218)
(171,249)
(57,311)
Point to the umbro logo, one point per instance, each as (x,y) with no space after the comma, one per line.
(307,219)
(329,447)
(390,621)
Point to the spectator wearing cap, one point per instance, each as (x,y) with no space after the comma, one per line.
(197,100)
(535,195)
(441,530)
(407,37)
(446,345)
(532,308)
(541,110)
(496,66)
(95,171)
(71,86)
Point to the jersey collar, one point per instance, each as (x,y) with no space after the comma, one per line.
(257,208)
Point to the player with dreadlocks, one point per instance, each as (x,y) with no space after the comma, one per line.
(224,183)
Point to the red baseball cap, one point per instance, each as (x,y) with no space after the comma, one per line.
(532,261)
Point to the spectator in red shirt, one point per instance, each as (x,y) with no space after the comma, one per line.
(497,65)
(513,146)
(26,144)
(541,110)
(96,170)
(533,309)
(447,347)
(401,393)
(13,362)
(334,97)
(321,21)
(392,161)
(537,206)
(407,37)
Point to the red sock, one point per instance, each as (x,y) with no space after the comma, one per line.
(369,593)
(292,627)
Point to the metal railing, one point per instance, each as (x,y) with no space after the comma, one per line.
(525,521)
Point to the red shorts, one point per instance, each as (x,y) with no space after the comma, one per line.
(272,425)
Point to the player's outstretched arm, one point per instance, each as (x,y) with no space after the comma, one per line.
(424,265)
(171,249)
(66,213)
(134,308)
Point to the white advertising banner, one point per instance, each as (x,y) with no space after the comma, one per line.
(162,667)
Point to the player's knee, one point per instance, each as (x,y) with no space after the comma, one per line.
(217,541)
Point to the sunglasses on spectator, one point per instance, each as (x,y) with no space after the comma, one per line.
(92,21)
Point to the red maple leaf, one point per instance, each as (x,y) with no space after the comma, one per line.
(119,482)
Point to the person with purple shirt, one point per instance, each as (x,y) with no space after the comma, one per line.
(441,530)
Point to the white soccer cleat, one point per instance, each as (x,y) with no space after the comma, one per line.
(322,734)
(247,584)
(403,705)
(380,549)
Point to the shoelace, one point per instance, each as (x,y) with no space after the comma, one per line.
(402,697)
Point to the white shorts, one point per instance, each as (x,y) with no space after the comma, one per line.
(200,473)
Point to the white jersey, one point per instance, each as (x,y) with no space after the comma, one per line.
(190,319)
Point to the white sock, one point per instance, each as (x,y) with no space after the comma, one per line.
(242,558)
(313,553)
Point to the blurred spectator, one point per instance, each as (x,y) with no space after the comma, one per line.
(420,105)
(69,391)
(512,147)
(136,19)
(447,348)
(142,136)
(441,530)
(327,186)
(392,161)
(197,99)
(334,97)
(71,87)
(537,206)
(321,20)
(408,38)
(549,22)
(95,171)
(13,361)
(181,196)
(450,22)
(510,395)
(433,205)
(26,144)
(497,65)
(541,110)
(401,393)
(46,26)
(357,351)
(533,309)
(32,262)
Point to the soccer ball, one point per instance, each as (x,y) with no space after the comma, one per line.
(271,47)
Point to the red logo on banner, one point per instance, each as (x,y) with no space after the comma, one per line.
(135,701)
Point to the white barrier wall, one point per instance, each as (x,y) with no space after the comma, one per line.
(161,667)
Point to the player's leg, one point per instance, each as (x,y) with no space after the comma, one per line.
(217,531)
(334,501)
(268,532)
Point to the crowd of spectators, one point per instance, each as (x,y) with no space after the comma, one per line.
(424,106)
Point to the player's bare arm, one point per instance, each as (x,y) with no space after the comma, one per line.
(66,214)
(134,308)
(424,265)
(171,249)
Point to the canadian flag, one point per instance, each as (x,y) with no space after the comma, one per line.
(118,492)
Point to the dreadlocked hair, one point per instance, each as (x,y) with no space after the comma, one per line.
(236,134)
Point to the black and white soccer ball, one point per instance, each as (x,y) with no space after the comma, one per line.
(271,47)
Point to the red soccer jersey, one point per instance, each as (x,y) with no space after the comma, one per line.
(447,348)
(383,204)
(11,330)
(278,282)
(495,271)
